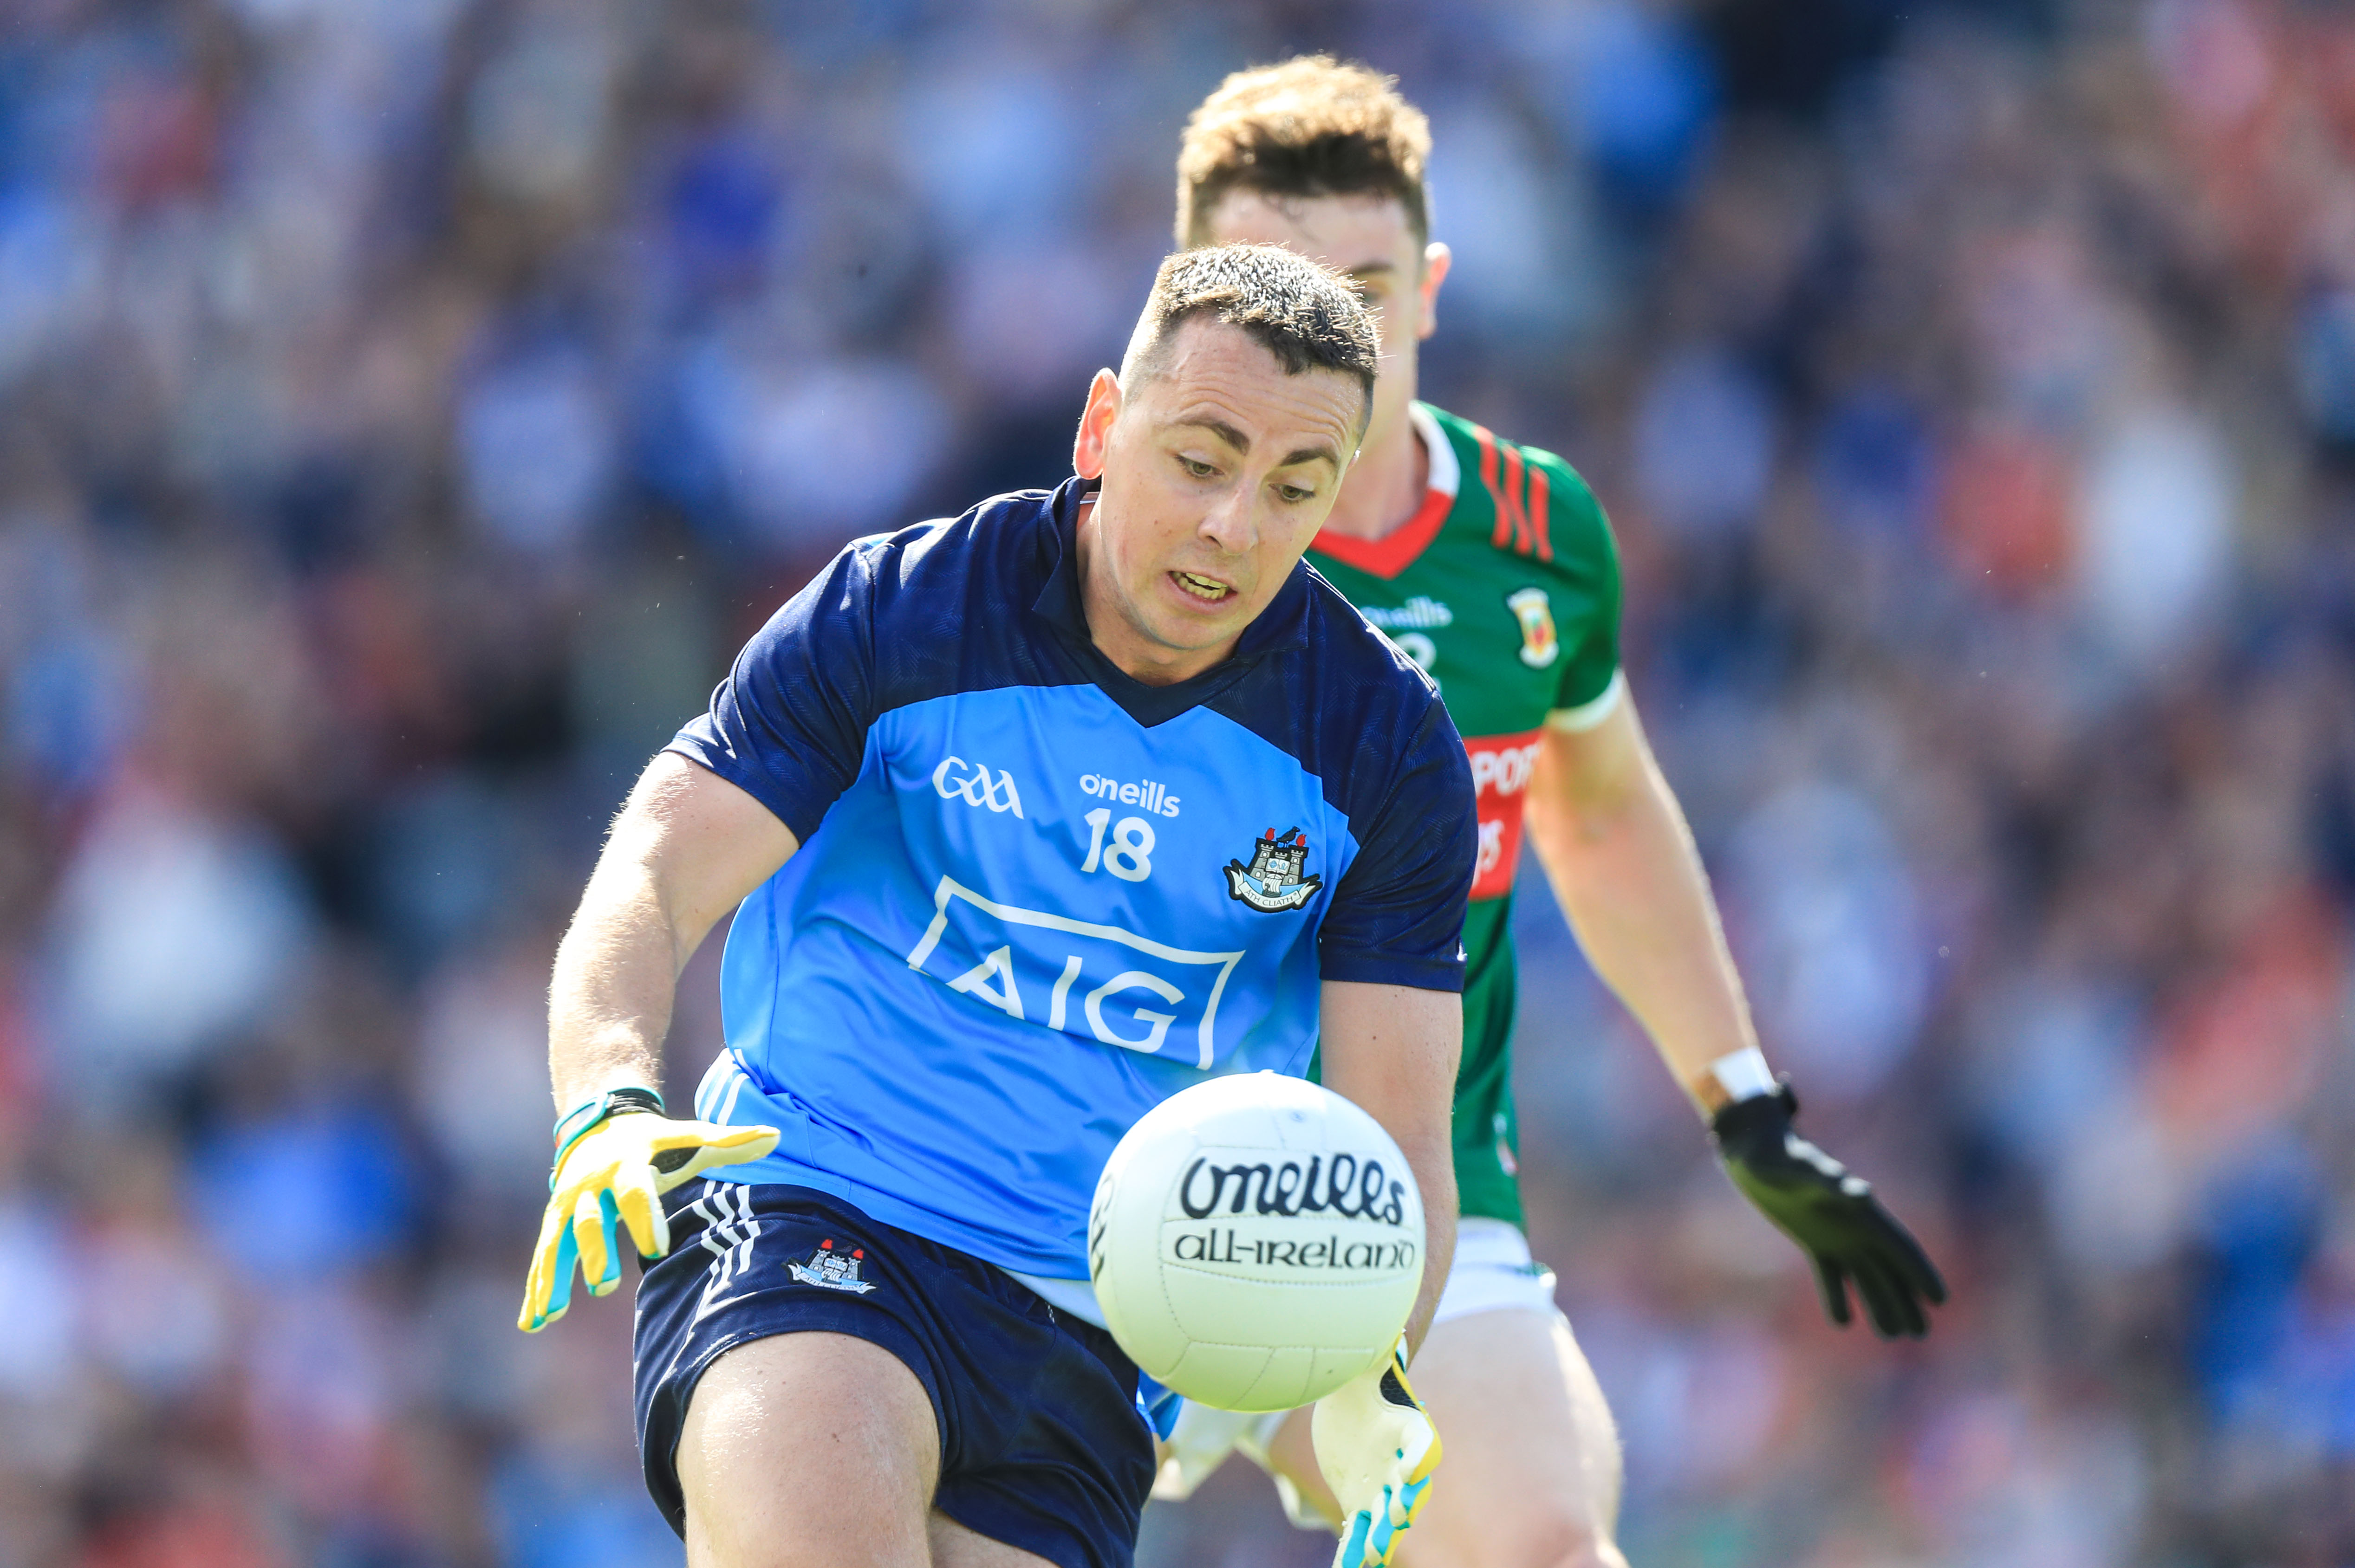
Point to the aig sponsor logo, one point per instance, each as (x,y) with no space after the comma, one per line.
(957,779)
(1087,979)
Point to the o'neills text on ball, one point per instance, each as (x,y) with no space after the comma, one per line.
(1349,1188)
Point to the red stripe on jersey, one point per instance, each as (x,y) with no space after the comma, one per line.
(1395,551)
(1513,499)
(1489,477)
(1539,486)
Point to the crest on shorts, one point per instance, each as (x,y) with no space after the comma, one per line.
(1540,645)
(831,1270)
(1277,878)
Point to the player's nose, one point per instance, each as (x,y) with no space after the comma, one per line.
(1231,523)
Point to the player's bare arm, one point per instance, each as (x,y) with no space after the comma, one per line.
(1622,863)
(1617,848)
(1393,1050)
(685,849)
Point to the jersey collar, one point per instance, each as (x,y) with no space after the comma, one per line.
(1395,551)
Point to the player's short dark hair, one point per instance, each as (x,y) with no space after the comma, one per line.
(1309,316)
(1308,127)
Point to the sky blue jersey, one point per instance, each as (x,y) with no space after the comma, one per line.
(1035,896)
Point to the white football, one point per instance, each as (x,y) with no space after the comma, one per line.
(1256,1242)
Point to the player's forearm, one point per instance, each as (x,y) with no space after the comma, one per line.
(609,1002)
(1392,1051)
(1622,861)
(1437,1180)
(686,849)
(1431,1158)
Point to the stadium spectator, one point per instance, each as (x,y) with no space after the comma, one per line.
(405,407)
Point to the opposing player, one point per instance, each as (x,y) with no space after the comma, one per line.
(1492,566)
(977,788)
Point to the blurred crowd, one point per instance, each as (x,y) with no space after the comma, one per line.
(407,406)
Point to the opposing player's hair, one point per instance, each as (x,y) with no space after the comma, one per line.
(1309,316)
(1309,127)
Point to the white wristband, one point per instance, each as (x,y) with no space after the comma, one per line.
(1744,1074)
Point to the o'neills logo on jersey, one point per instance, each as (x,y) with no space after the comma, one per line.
(1347,1188)
(1419,613)
(1145,794)
(1277,877)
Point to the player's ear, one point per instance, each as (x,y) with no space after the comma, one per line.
(1436,259)
(1094,440)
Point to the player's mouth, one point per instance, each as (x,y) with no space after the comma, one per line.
(1200,588)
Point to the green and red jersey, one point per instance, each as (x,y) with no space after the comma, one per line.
(1505,588)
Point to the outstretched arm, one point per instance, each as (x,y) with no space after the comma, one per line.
(686,849)
(1620,860)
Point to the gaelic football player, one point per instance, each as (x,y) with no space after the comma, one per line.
(973,792)
(1490,564)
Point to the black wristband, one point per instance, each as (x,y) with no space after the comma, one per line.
(1744,1119)
(621,1102)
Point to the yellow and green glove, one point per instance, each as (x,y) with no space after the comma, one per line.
(615,1156)
(1377,1449)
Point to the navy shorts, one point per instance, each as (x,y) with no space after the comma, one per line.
(1043,1445)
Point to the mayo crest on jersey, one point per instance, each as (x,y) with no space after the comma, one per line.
(1002,940)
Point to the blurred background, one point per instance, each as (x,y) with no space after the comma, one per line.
(408,405)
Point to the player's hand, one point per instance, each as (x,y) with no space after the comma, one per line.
(1377,1448)
(1832,1214)
(616,1171)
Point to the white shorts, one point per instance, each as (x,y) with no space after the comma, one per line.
(1492,1272)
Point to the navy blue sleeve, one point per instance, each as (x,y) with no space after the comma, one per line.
(1398,916)
(788,726)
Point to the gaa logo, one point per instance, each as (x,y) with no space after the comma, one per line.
(956,779)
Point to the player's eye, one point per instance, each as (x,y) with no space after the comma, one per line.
(1294,494)
(1196,468)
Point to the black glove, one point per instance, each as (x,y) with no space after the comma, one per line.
(1833,1216)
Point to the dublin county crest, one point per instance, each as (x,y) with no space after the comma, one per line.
(831,1270)
(1276,878)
